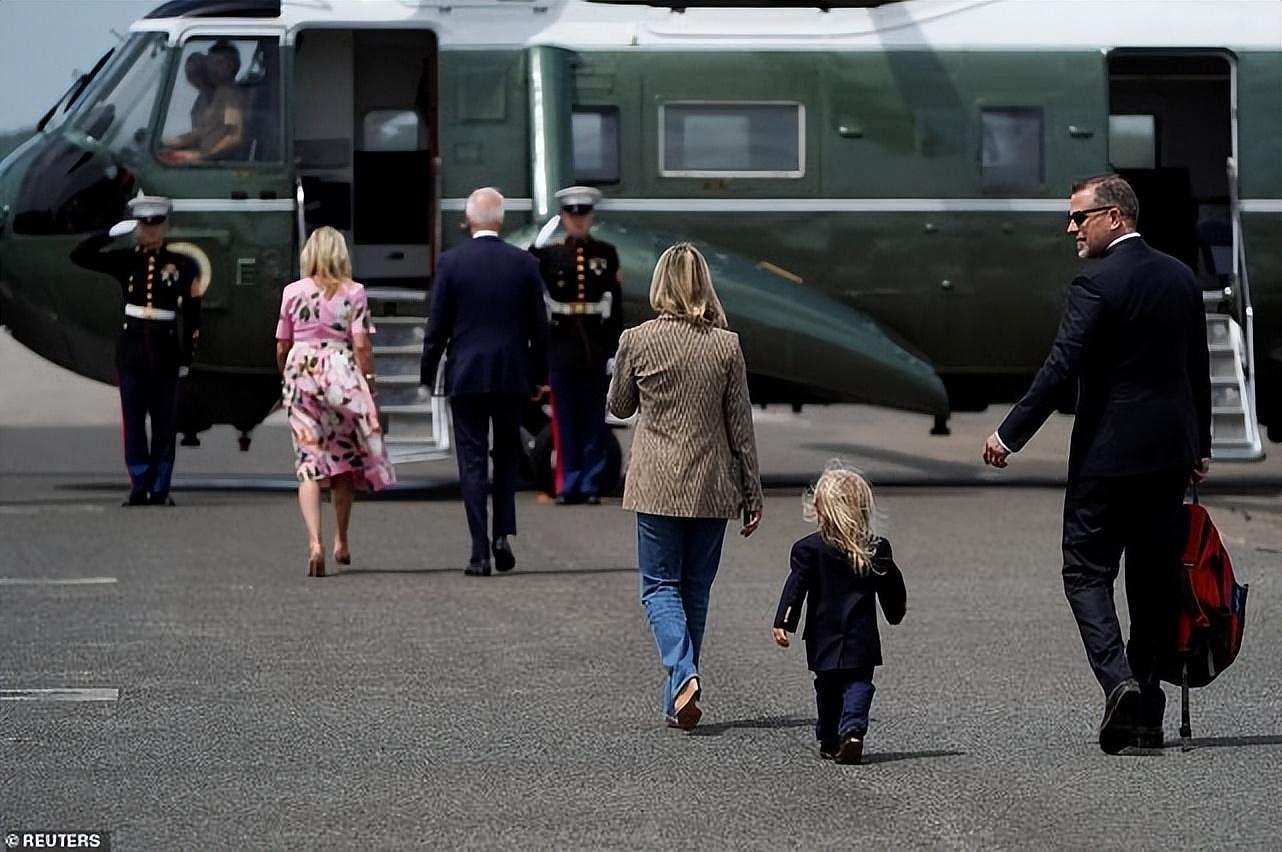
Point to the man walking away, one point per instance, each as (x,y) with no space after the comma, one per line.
(1133,338)
(487,315)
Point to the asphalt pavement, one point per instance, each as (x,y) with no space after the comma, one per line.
(226,701)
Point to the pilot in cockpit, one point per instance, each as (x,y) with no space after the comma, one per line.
(218,115)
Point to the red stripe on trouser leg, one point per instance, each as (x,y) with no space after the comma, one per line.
(558,471)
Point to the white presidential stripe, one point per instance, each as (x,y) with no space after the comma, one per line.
(1261,205)
(456,205)
(810,205)
(729,205)
(233,205)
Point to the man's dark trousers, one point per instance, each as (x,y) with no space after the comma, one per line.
(149,392)
(1143,516)
(473,415)
(578,405)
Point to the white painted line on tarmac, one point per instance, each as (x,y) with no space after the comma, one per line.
(55,581)
(65,694)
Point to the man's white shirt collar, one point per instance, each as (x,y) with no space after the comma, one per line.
(1122,237)
(476,234)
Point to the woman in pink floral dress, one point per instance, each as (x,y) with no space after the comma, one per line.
(323,351)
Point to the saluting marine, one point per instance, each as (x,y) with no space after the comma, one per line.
(584,297)
(160,287)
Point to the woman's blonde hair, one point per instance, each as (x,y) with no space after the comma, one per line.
(841,503)
(325,259)
(682,287)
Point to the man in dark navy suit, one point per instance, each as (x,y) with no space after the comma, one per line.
(487,314)
(1133,339)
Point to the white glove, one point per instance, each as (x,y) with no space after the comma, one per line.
(609,367)
(183,371)
(126,226)
(546,232)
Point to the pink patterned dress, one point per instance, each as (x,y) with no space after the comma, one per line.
(332,417)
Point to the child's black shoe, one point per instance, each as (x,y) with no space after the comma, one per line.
(828,749)
(852,749)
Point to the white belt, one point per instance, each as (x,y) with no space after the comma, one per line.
(147,312)
(602,308)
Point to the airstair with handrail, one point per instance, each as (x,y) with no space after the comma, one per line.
(1230,333)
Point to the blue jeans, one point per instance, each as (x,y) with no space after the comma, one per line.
(678,559)
(843,698)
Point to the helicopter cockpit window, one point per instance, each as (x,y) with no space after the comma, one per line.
(80,177)
(224,104)
(1011,151)
(596,145)
(119,114)
(719,139)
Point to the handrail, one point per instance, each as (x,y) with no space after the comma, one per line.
(1241,279)
(299,199)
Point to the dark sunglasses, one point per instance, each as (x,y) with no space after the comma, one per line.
(152,220)
(1079,217)
(577,209)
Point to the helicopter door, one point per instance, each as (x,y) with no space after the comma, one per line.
(365,144)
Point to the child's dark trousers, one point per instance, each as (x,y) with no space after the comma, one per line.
(843,697)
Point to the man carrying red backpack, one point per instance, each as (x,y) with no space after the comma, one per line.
(1132,339)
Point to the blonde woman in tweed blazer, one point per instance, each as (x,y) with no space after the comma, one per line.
(693,463)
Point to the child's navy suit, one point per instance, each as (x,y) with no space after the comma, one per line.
(842,642)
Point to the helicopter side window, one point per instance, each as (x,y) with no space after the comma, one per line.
(224,104)
(718,139)
(596,145)
(1011,150)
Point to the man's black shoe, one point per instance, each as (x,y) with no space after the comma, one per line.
(504,558)
(569,499)
(1121,712)
(592,500)
(1149,738)
(478,568)
(160,500)
(828,749)
(136,500)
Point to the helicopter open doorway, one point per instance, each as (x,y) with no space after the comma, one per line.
(366,147)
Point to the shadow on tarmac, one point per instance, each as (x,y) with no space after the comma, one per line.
(891,756)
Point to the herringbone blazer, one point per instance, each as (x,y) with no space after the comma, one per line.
(693,451)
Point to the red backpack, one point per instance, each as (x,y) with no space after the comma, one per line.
(1212,612)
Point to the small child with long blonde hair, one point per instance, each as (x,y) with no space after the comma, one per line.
(841,568)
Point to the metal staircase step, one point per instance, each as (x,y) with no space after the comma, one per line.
(1234,432)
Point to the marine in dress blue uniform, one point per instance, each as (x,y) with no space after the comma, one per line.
(158,332)
(584,297)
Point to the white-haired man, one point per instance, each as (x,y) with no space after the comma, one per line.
(487,315)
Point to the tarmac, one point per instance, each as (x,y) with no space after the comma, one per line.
(200,692)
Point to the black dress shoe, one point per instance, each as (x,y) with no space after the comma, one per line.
(135,500)
(504,558)
(160,500)
(828,749)
(1121,712)
(478,568)
(569,499)
(592,500)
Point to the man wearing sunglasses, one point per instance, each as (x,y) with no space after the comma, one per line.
(584,298)
(1132,343)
